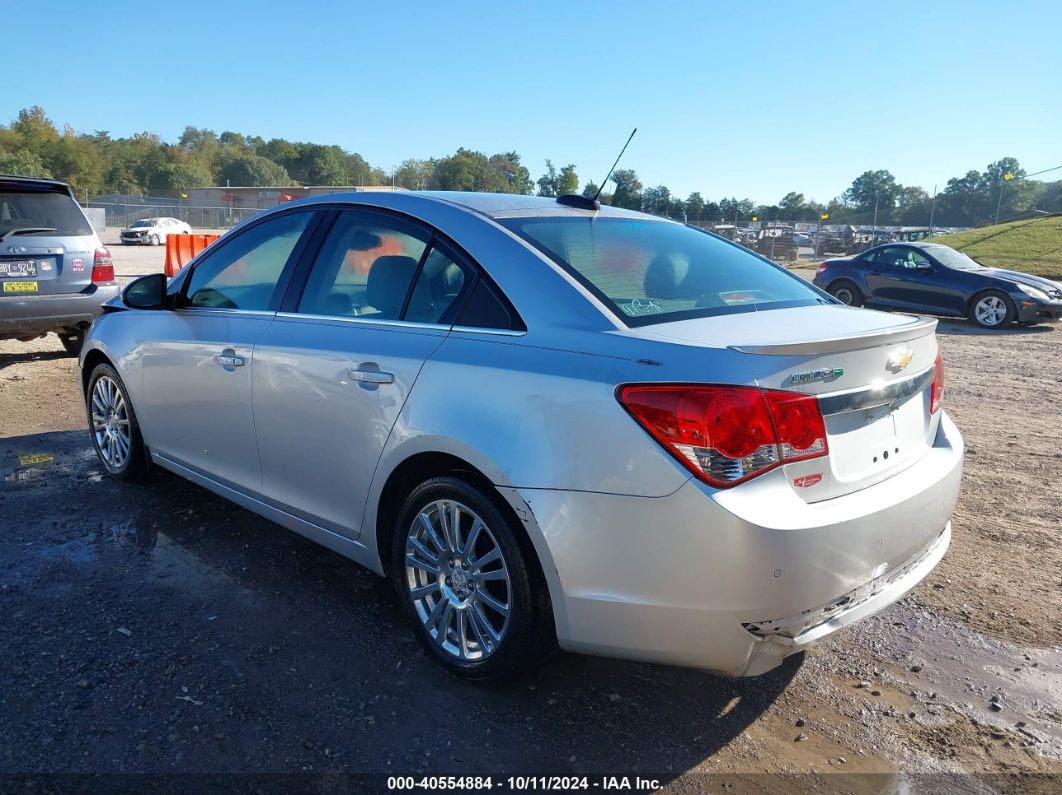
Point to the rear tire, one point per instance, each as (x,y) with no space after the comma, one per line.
(846,292)
(452,595)
(113,427)
(993,310)
(73,339)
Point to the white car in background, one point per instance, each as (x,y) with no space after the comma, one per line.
(153,231)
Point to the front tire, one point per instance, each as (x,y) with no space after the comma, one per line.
(993,310)
(846,292)
(154,240)
(466,578)
(113,426)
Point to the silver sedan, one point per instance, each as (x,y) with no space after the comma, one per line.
(546,421)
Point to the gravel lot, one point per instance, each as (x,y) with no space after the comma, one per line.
(158,629)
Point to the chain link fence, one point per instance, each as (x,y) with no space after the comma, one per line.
(121,211)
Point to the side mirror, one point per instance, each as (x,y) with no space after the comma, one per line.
(923,266)
(147,292)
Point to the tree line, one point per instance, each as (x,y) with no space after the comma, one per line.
(95,163)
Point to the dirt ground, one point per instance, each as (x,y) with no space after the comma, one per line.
(161,630)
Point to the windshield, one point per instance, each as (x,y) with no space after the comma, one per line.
(48,210)
(950,258)
(141,224)
(653,271)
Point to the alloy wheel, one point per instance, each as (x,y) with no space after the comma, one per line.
(458,580)
(990,310)
(110,422)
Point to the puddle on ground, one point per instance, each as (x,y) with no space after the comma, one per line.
(79,550)
(1000,684)
(166,558)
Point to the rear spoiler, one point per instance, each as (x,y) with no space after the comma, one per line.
(11,182)
(918,327)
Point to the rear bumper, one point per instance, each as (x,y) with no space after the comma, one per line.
(735,581)
(38,314)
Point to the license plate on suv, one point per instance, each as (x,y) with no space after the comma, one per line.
(18,267)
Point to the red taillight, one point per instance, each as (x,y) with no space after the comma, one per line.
(821,268)
(936,394)
(728,434)
(102,267)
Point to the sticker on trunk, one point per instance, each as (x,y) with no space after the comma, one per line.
(77,265)
(20,287)
(804,481)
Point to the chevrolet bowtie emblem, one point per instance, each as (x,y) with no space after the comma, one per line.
(899,359)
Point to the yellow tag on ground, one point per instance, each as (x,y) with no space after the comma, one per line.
(30,459)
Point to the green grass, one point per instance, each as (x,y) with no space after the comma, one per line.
(1030,246)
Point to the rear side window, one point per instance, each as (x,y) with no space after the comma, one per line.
(439,283)
(652,271)
(243,273)
(486,308)
(364,269)
(51,212)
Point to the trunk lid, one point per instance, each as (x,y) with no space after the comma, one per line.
(871,371)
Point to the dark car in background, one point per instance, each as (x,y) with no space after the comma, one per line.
(929,277)
(54,272)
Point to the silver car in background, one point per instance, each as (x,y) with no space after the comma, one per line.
(547,421)
(54,271)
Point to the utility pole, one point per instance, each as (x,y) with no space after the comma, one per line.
(874,231)
(1004,179)
(932,210)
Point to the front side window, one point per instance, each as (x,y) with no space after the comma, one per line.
(902,257)
(364,269)
(244,272)
(652,271)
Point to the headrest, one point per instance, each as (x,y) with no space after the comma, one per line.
(662,278)
(388,283)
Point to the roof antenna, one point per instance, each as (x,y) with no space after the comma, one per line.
(585,202)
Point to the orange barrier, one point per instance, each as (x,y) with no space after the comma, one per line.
(181,249)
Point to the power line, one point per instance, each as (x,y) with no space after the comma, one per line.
(1056,168)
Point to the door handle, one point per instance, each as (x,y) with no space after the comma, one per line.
(371,376)
(229,360)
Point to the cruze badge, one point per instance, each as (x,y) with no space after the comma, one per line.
(822,374)
(899,359)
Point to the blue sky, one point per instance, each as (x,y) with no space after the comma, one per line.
(729,99)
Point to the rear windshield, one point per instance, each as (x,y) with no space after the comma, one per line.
(654,272)
(41,210)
